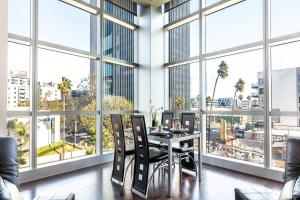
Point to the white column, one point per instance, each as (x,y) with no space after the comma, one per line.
(3,65)
(157,57)
(144,60)
(151,73)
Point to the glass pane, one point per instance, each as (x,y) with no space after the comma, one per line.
(282,128)
(223,74)
(18,84)
(285,77)
(184,85)
(181,11)
(183,42)
(62,137)
(118,41)
(283,16)
(19,127)
(210,2)
(236,25)
(108,138)
(237,137)
(65,81)
(66,25)
(119,12)
(118,87)
(19,17)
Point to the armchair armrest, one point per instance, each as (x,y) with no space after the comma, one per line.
(4,191)
(291,190)
(296,189)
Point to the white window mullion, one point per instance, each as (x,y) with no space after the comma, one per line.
(267,85)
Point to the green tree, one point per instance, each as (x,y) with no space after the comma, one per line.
(11,125)
(109,103)
(65,88)
(239,87)
(241,97)
(222,73)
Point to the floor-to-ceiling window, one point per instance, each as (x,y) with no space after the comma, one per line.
(248,74)
(60,77)
(119,65)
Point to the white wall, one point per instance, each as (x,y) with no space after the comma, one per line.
(3,64)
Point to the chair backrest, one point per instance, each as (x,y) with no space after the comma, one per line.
(141,162)
(166,119)
(188,121)
(292,162)
(9,166)
(119,141)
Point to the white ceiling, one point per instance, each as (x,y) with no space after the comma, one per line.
(151,2)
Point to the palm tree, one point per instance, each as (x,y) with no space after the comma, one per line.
(239,87)
(240,97)
(65,88)
(222,73)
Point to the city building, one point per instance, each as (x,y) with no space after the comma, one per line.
(18,89)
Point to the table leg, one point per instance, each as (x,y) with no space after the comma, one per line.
(170,172)
(199,160)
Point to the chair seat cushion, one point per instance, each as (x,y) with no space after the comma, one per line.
(13,190)
(129,152)
(183,149)
(254,194)
(157,154)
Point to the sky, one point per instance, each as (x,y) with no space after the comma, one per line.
(237,25)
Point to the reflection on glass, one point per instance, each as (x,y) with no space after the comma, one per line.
(62,137)
(237,137)
(221,82)
(64,24)
(184,84)
(177,10)
(19,17)
(118,41)
(118,87)
(19,127)
(283,15)
(236,25)
(18,77)
(65,82)
(183,42)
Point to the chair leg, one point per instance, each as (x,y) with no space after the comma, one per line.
(180,167)
(151,177)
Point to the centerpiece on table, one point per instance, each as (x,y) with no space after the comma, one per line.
(154,115)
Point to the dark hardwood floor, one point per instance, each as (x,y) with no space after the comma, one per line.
(94,184)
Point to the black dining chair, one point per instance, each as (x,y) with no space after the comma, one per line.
(166,120)
(121,152)
(144,156)
(185,152)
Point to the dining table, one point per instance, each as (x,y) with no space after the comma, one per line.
(170,138)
